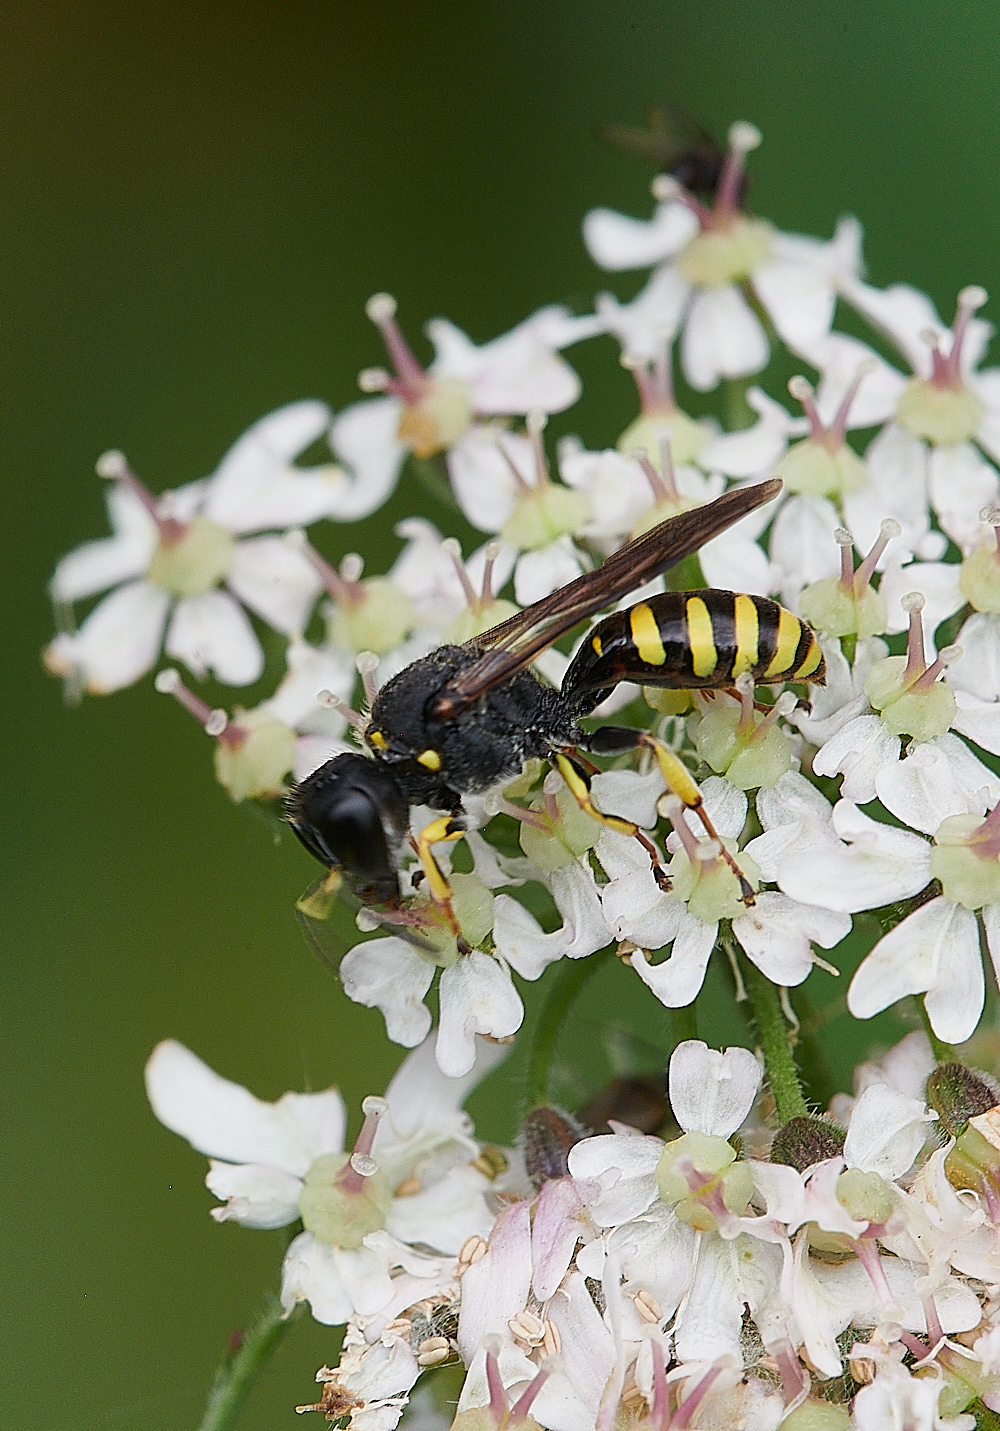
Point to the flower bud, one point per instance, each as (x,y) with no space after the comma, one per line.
(803,1142)
(957,1093)
(922,713)
(865,1196)
(547,1136)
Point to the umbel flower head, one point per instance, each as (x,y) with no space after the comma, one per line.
(753,1259)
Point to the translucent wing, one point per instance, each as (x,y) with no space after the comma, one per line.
(515,643)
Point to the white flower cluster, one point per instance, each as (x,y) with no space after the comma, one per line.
(646,1281)
(621,1280)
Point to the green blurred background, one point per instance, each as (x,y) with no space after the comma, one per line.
(197,200)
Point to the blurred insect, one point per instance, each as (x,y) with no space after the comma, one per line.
(466,718)
(676,143)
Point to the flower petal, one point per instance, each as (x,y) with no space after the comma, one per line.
(118,642)
(722,338)
(365,436)
(277,582)
(211,633)
(879,865)
(255,1194)
(477,995)
(616,241)
(777,934)
(887,1131)
(226,1121)
(388,974)
(677,980)
(95,566)
(712,1092)
(255,485)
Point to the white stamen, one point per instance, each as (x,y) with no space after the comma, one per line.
(990,514)
(335,703)
(111,465)
(800,388)
(948,655)
(167,682)
(536,421)
(381,307)
(363,1165)
(913,601)
(786,703)
(367,662)
(664,188)
(374,380)
(352,566)
(891,529)
(216,722)
(744,137)
(843,537)
(973,296)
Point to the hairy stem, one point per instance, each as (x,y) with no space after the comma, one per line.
(943,1052)
(570,979)
(238,1369)
(772,1034)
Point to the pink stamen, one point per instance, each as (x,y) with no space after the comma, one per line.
(795,1381)
(411,380)
(657,485)
(667,189)
(535,424)
(452,549)
(534,818)
(113,467)
(935,1332)
(337,703)
(367,664)
(498,1395)
(214,721)
(946,369)
(654,383)
(889,529)
(802,391)
(361,1165)
(916,661)
(838,428)
(524,487)
(659,1412)
(488,595)
(519,1411)
(832,437)
(343,586)
(698,852)
(743,138)
(868,1256)
(681,1418)
(985,841)
(912,1343)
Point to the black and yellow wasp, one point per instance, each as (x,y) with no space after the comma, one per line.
(466,718)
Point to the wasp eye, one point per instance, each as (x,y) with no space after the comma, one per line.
(351,815)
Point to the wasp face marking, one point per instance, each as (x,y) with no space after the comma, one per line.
(429,759)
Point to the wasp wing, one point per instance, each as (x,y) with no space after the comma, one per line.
(325,934)
(515,643)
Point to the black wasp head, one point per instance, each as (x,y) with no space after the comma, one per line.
(352,816)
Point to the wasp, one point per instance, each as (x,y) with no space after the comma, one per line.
(677,144)
(467,717)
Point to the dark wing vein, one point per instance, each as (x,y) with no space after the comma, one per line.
(517,641)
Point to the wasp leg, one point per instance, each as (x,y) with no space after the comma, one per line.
(577,779)
(448,827)
(614,739)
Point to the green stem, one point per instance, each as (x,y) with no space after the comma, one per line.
(943,1052)
(237,1371)
(572,976)
(773,1037)
(685,1023)
(737,414)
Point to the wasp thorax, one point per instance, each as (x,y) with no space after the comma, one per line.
(345,1196)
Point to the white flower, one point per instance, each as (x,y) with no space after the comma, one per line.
(184,563)
(275,1162)
(707,256)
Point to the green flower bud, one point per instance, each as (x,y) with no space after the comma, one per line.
(336,1215)
(379,621)
(922,713)
(255,767)
(944,416)
(979,579)
(563,840)
(957,1093)
(196,563)
(864,1196)
(830,608)
(687,437)
(968,877)
(543,514)
(711,891)
(802,1142)
(812,467)
(750,759)
(726,255)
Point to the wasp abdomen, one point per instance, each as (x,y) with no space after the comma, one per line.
(693,639)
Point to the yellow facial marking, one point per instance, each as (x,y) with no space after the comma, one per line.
(430,759)
(789,636)
(704,656)
(747,635)
(375,739)
(646,635)
(598,647)
(813,657)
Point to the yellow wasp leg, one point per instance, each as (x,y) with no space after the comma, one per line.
(578,784)
(446,828)
(678,778)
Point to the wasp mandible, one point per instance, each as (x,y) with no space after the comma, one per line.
(466,718)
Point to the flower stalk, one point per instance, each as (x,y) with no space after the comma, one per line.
(772,1034)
